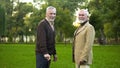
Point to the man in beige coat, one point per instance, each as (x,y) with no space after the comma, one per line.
(83,41)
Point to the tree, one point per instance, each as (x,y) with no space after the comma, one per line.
(102,13)
(2,22)
(6,10)
(21,28)
(15,20)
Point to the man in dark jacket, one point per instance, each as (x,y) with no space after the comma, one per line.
(45,46)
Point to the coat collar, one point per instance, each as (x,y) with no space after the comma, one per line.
(80,28)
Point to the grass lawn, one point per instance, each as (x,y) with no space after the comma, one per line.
(23,56)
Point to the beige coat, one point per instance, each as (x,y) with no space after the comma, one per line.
(83,41)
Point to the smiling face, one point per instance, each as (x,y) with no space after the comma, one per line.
(82,16)
(51,14)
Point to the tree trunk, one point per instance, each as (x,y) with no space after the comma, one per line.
(0,39)
(102,38)
(116,37)
(61,36)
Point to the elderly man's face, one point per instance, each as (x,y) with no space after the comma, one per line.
(51,14)
(82,16)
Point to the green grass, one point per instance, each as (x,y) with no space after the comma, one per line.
(23,56)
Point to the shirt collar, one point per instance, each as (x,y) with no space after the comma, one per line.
(51,23)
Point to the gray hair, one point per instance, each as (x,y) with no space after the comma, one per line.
(86,12)
(50,7)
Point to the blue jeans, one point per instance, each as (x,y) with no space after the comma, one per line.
(41,62)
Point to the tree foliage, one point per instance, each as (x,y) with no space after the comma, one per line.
(104,11)
(2,21)
(22,20)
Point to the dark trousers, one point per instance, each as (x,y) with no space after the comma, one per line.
(41,62)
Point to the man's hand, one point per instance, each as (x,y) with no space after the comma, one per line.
(47,56)
(54,57)
(82,62)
